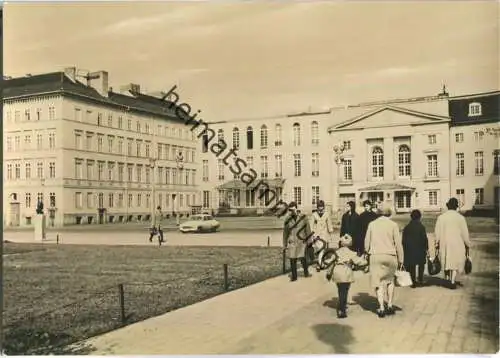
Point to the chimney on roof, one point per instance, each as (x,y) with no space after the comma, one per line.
(444,93)
(71,73)
(130,88)
(103,85)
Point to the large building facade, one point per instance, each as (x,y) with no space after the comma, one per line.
(404,152)
(91,154)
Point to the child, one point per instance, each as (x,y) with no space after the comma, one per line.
(341,271)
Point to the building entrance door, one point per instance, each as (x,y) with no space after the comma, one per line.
(15,214)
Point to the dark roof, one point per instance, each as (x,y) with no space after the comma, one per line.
(58,82)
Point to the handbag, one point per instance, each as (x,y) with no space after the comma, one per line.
(434,266)
(468,263)
(403,278)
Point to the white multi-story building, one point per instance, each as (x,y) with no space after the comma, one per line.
(400,151)
(89,153)
(475,149)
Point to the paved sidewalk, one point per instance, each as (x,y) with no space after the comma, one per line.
(279,317)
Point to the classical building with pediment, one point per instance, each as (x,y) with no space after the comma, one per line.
(404,152)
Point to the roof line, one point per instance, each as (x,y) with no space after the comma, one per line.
(475,95)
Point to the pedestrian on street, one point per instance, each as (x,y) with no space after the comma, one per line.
(452,241)
(342,273)
(383,244)
(296,232)
(365,218)
(415,248)
(322,227)
(350,225)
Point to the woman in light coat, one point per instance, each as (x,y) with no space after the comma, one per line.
(452,241)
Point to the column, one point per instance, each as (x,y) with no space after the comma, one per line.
(388,159)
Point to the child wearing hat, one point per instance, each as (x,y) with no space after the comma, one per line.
(341,271)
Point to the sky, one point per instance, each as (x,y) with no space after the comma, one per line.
(249,59)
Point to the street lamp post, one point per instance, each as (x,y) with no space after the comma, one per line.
(152,163)
(338,149)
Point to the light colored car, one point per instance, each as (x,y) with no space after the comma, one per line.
(200,223)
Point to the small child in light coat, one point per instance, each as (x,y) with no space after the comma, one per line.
(342,273)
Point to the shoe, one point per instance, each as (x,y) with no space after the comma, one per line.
(341,314)
(293,279)
(307,275)
(453,285)
(389,311)
(318,269)
(413,286)
(381,313)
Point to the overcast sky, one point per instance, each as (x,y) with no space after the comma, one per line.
(249,59)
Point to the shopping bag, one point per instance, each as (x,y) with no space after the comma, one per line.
(468,266)
(433,266)
(403,278)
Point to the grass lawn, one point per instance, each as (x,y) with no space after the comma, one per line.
(59,294)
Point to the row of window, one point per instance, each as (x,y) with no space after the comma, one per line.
(478,163)
(264,166)
(31,115)
(31,171)
(42,140)
(115,145)
(135,201)
(264,136)
(141,126)
(138,173)
(477,135)
(29,200)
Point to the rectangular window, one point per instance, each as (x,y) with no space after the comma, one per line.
(433,197)
(220,166)
(460,194)
(206,199)
(315,164)
(315,195)
(478,136)
(279,165)
(460,160)
(459,137)
(297,165)
(432,139)
(432,166)
(347,164)
(347,145)
(479,163)
(27,168)
(264,173)
(479,196)
(78,200)
(297,195)
(496,162)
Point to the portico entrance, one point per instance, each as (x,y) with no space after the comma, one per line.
(397,195)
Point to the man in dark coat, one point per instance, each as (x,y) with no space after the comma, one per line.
(415,246)
(296,232)
(365,218)
(349,223)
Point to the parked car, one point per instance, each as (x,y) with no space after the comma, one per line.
(200,223)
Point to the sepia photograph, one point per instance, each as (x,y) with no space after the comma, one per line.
(250,177)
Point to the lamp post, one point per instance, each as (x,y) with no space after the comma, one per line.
(152,164)
(179,160)
(338,149)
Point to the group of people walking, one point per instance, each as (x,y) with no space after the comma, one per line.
(372,242)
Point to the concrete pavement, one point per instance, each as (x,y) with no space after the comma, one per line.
(279,317)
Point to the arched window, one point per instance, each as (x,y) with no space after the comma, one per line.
(277,129)
(296,134)
(220,135)
(263,136)
(236,138)
(314,133)
(249,138)
(404,161)
(377,162)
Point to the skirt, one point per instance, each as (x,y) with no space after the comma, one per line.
(382,269)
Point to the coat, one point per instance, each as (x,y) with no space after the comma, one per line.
(350,225)
(322,226)
(365,218)
(342,271)
(383,238)
(296,232)
(415,243)
(452,235)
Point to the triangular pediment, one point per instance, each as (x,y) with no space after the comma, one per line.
(390,116)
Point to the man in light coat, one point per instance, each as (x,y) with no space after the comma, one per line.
(296,232)
(383,244)
(322,227)
(452,241)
